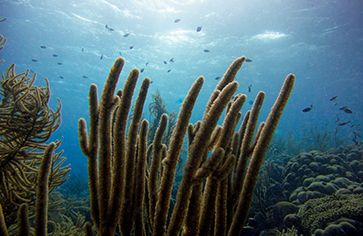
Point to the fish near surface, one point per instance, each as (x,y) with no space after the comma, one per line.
(307,109)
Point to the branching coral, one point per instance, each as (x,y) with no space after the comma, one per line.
(26,123)
(156,109)
(41,210)
(124,192)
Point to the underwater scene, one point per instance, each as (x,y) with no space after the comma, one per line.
(168,118)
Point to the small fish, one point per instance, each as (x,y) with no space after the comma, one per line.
(101,57)
(61,77)
(250,102)
(55,55)
(84,76)
(120,53)
(171,60)
(131,47)
(333,98)
(109,28)
(307,109)
(151,81)
(343,107)
(165,62)
(42,46)
(177,20)
(34,60)
(147,63)
(206,50)
(199,28)
(59,63)
(2,41)
(126,35)
(217,78)
(2,19)
(344,123)
(347,110)
(142,70)
(249,88)
(82,49)
(168,70)
(248,60)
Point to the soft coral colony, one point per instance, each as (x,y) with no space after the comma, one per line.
(131,178)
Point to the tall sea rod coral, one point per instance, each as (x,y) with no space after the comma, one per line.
(132,192)
(26,123)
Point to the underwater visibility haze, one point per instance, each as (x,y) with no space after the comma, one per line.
(241,117)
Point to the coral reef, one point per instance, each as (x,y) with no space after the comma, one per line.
(319,192)
(323,212)
(119,175)
(41,204)
(26,123)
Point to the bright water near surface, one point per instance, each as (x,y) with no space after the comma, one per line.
(74,44)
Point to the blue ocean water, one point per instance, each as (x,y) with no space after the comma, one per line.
(320,41)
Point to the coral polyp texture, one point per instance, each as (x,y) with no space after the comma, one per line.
(131,187)
(26,123)
(315,192)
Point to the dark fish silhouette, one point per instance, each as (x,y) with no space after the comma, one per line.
(131,47)
(249,88)
(151,81)
(101,57)
(177,20)
(343,107)
(171,59)
(307,109)
(82,49)
(84,76)
(34,60)
(55,55)
(2,41)
(347,110)
(248,60)
(127,34)
(59,63)
(147,63)
(142,70)
(120,53)
(165,62)
(344,123)
(333,98)
(169,70)
(217,78)
(2,19)
(61,77)
(250,102)
(109,28)
(206,50)
(199,28)
(44,47)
